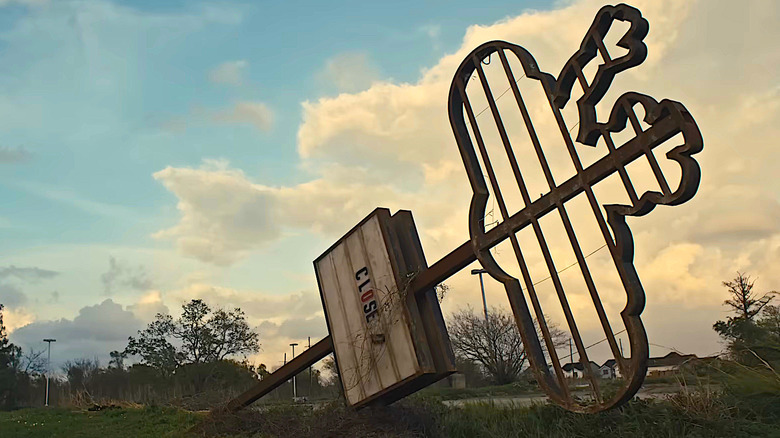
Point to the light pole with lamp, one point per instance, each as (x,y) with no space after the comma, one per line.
(295,389)
(48,368)
(482,286)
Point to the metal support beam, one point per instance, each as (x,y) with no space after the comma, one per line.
(283,374)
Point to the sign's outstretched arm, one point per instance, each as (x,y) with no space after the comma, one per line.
(385,353)
(283,374)
(440,271)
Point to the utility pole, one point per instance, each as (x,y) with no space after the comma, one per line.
(309,370)
(48,368)
(482,286)
(295,389)
(571,360)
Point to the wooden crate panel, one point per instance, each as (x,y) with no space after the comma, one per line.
(368,321)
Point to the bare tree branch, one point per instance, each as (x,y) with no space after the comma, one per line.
(495,344)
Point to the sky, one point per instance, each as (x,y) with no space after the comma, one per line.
(156,152)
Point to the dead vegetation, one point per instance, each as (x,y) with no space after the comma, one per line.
(402,420)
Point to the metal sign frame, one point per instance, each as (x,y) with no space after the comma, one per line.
(666,119)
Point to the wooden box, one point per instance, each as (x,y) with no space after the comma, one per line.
(388,341)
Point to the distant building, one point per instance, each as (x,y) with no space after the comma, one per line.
(659,366)
(656,366)
(608,370)
(576,370)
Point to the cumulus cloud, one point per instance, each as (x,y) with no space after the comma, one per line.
(148,306)
(391,144)
(349,72)
(12,296)
(224,215)
(257,304)
(13,155)
(432,30)
(293,329)
(15,318)
(230,73)
(95,331)
(30,274)
(121,275)
(279,319)
(98,329)
(256,114)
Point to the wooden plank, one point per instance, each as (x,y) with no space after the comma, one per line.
(385,370)
(400,343)
(341,331)
(404,263)
(381,369)
(361,373)
(425,302)
(377,256)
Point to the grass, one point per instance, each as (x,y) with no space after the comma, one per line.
(688,414)
(447,393)
(637,419)
(114,423)
(744,403)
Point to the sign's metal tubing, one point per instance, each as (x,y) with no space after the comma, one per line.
(666,119)
(299,363)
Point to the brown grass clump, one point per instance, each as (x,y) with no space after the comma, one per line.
(332,420)
(701,403)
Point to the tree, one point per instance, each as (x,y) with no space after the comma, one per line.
(474,373)
(745,302)
(770,321)
(81,372)
(752,333)
(117,360)
(33,362)
(495,344)
(199,335)
(9,358)
(7,349)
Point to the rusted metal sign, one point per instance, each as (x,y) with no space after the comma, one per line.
(393,241)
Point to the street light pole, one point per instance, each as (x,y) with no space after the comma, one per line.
(295,389)
(48,368)
(482,286)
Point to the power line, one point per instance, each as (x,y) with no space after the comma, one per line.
(570,266)
(495,100)
(593,344)
(664,346)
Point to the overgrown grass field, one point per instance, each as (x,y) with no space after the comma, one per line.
(113,423)
(747,404)
(692,415)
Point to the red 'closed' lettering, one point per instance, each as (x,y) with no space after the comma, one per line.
(367,296)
